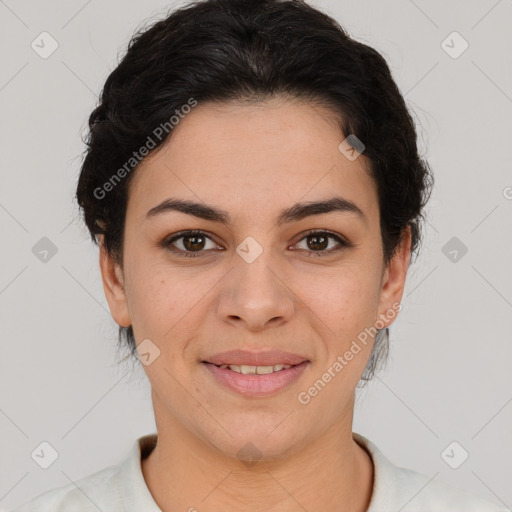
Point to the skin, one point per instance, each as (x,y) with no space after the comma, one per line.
(253,160)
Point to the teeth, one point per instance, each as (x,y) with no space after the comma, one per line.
(252,370)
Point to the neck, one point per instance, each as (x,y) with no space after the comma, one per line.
(183,472)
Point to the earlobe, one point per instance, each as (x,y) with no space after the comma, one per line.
(114,287)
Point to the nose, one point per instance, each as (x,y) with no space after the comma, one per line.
(256,294)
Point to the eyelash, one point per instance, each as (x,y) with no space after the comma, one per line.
(167,243)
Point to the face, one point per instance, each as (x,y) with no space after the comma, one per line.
(254,277)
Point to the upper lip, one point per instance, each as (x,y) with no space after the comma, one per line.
(252,358)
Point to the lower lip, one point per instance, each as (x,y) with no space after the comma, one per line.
(256,385)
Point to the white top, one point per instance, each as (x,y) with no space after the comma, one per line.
(122,488)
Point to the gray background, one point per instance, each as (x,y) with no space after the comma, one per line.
(448,377)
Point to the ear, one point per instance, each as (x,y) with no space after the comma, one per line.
(113,286)
(393,281)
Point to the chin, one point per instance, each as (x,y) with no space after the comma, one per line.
(266,441)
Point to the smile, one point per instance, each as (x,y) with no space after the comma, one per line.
(255,381)
(260,370)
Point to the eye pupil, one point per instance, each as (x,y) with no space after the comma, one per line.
(192,246)
(315,245)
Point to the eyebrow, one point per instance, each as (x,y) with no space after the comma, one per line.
(294,213)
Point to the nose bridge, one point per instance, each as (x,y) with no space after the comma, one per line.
(254,290)
(255,277)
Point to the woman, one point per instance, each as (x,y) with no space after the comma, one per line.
(253,182)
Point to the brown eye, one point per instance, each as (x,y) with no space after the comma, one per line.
(193,242)
(189,242)
(319,243)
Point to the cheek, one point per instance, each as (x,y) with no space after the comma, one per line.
(344,299)
(164,302)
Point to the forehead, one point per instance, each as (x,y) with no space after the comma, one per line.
(255,158)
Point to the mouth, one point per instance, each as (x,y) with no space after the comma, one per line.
(255,380)
(246,360)
(247,369)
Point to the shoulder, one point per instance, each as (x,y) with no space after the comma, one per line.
(422,493)
(399,488)
(87,493)
(115,488)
